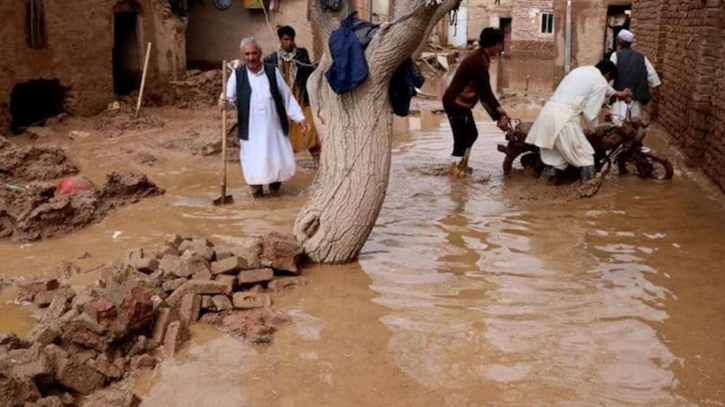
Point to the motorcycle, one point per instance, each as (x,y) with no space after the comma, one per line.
(620,145)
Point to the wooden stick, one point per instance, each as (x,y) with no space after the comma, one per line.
(143,78)
(224,134)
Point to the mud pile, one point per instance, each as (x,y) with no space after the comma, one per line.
(113,123)
(140,311)
(198,92)
(205,140)
(23,164)
(39,212)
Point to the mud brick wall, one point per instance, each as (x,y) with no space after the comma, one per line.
(527,39)
(79,49)
(686,42)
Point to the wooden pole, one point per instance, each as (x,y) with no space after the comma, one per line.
(224,134)
(143,78)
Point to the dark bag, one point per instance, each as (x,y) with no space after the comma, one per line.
(349,68)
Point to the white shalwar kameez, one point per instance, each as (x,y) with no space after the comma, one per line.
(267,156)
(619,108)
(557,131)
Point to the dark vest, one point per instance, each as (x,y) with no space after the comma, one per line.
(244,95)
(632,74)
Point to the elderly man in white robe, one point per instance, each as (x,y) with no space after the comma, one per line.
(634,71)
(264,102)
(557,130)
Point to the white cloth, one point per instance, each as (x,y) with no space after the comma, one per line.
(267,156)
(626,36)
(652,78)
(619,111)
(571,147)
(558,126)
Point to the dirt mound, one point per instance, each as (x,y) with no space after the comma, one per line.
(205,140)
(24,164)
(39,212)
(198,92)
(113,123)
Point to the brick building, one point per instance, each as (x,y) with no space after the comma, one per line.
(593,26)
(75,56)
(686,42)
(527,24)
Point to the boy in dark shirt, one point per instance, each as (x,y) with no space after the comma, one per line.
(471,84)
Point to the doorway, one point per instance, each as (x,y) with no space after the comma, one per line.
(126,53)
(618,19)
(505,25)
(34,101)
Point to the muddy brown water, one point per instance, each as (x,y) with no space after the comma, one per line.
(468,292)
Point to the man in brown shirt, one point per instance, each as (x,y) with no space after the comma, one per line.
(471,84)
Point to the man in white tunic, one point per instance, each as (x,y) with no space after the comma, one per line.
(264,102)
(635,72)
(557,130)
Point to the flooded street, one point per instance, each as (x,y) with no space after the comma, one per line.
(468,293)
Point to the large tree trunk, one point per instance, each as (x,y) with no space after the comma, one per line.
(356,134)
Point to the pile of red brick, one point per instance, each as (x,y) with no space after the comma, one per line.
(140,310)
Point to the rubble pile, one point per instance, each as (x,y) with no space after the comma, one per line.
(22,164)
(139,311)
(41,212)
(115,122)
(198,92)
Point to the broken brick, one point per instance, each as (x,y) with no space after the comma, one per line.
(282,252)
(255,276)
(172,285)
(221,303)
(231,281)
(247,300)
(202,275)
(228,266)
(197,287)
(45,334)
(80,378)
(176,335)
(190,308)
(170,263)
(162,322)
(206,302)
(146,265)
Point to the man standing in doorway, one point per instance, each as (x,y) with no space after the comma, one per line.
(471,84)
(634,72)
(296,67)
(264,103)
(557,130)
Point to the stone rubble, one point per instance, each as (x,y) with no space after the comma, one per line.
(139,311)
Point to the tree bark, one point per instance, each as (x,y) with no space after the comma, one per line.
(355,130)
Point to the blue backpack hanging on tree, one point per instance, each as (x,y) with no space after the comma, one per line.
(349,68)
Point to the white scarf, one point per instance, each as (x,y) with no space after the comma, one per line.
(284,56)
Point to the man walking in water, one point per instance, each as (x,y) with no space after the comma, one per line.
(264,103)
(471,84)
(557,130)
(296,67)
(634,72)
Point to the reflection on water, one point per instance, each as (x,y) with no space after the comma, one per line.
(463,296)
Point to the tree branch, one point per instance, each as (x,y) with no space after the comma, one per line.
(398,40)
(442,10)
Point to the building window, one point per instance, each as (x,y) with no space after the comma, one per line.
(35,24)
(547,23)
